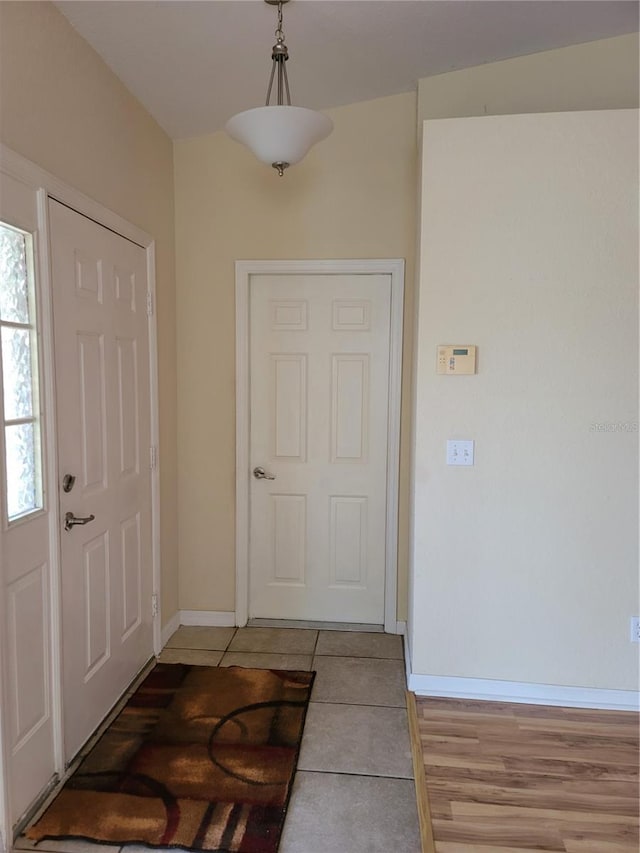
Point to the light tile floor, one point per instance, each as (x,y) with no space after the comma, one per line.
(354,790)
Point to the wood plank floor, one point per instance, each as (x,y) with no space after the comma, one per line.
(514,778)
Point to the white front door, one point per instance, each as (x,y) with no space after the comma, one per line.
(103,411)
(27,570)
(319,414)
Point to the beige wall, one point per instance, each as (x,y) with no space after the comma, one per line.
(598,75)
(62,108)
(352,197)
(525,566)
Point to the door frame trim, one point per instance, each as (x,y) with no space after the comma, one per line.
(394,267)
(45,186)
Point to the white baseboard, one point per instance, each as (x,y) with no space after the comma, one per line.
(523,692)
(208,618)
(170,628)
(205,618)
(401,628)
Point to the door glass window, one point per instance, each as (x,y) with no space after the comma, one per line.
(19,359)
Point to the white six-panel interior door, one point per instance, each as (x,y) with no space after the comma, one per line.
(76,608)
(322,346)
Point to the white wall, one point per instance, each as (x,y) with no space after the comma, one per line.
(525,566)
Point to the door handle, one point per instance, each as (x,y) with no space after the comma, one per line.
(260,474)
(70,520)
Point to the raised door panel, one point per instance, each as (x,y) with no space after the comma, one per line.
(289,406)
(131,548)
(97,604)
(28,637)
(128,405)
(88,277)
(29,683)
(289,539)
(349,408)
(289,315)
(125,288)
(91,373)
(348,540)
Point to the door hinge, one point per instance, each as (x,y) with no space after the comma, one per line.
(154,605)
(149,304)
(153,457)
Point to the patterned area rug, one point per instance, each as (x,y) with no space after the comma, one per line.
(201,758)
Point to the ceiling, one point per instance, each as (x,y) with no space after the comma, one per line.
(195,64)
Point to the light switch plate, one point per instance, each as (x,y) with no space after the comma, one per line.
(460,452)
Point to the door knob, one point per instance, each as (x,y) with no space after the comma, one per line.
(260,474)
(70,520)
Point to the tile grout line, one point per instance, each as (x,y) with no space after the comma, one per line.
(226,648)
(231,639)
(361,657)
(313,656)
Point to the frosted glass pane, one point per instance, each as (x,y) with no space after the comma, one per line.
(14,284)
(16,371)
(23,488)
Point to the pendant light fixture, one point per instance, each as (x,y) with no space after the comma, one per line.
(280,134)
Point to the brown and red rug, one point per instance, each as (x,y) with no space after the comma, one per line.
(201,758)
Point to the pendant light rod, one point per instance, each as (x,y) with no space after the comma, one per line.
(279,56)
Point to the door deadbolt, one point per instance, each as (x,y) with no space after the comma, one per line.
(68,482)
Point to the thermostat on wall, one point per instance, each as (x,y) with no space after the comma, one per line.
(458,360)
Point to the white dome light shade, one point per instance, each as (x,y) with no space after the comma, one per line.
(279,134)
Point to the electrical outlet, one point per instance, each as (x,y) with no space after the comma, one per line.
(634,629)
